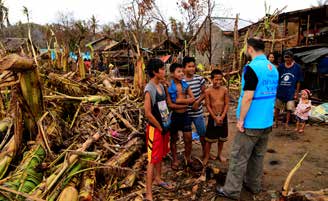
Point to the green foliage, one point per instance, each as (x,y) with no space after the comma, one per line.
(28,174)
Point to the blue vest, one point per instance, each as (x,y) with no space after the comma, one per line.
(260,113)
(173,92)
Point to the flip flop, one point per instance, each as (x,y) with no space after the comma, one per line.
(165,185)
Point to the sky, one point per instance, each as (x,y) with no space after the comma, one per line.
(106,11)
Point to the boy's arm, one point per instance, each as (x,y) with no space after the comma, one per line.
(200,99)
(226,104)
(208,105)
(187,101)
(148,114)
(171,104)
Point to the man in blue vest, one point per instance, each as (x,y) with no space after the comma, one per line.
(255,119)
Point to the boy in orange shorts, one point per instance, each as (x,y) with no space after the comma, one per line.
(157,135)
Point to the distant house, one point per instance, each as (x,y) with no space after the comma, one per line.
(16,45)
(101,44)
(123,54)
(167,47)
(221,40)
(305,33)
(297,28)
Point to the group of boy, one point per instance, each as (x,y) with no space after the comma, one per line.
(174,105)
(183,95)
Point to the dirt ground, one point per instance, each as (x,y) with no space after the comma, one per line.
(285,149)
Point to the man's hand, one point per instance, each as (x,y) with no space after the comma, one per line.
(195,106)
(240,126)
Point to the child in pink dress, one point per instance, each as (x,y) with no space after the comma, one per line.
(302,111)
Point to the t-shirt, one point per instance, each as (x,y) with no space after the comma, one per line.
(323,65)
(159,107)
(195,85)
(251,79)
(288,79)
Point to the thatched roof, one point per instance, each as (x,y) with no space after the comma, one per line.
(167,46)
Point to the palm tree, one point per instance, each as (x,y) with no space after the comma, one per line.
(93,24)
(321,3)
(3,14)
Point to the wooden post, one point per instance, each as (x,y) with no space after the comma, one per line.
(210,41)
(283,44)
(307,31)
(299,30)
(235,44)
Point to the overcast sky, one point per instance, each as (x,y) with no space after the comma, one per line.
(46,11)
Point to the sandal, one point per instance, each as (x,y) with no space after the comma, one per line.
(165,185)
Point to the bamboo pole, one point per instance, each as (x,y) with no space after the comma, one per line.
(131,147)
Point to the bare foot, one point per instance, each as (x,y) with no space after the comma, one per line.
(286,127)
(296,130)
(149,197)
(301,131)
(175,166)
(212,157)
(222,159)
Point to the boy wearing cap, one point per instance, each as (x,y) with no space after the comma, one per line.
(290,78)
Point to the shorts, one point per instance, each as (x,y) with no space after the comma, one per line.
(157,144)
(180,122)
(282,105)
(199,123)
(215,133)
(299,119)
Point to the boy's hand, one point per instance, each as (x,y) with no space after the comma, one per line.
(219,120)
(191,100)
(195,106)
(165,83)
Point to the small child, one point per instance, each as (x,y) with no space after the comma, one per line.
(302,111)
(178,102)
(217,104)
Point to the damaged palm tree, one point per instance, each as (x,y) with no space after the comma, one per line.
(30,88)
(12,146)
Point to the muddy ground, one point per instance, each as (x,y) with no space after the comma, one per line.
(285,149)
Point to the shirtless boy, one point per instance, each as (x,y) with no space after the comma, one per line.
(217,104)
(180,96)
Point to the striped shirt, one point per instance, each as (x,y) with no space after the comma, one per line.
(195,85)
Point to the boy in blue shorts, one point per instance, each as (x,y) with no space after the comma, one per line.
(197,86)
(180,96)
